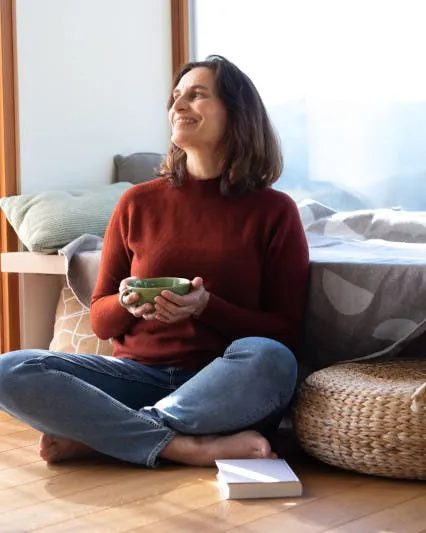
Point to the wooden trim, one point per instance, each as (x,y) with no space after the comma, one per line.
(9,283)
(32,263)
(180,33)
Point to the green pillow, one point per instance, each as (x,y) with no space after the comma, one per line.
(47,221)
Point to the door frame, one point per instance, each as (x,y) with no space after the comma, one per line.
(9,283)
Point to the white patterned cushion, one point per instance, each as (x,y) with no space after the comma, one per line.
(72,331)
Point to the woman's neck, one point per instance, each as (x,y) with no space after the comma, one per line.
(203,166)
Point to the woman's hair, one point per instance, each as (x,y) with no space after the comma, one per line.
(253,158)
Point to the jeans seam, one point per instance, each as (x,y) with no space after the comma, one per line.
(172,386)
(99,392)
(42,359)
(152,460)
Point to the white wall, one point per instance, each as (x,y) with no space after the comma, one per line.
(93,81)
(93,78)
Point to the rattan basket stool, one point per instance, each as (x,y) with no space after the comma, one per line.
(367,417)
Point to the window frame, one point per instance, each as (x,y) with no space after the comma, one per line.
(9,283)
(180,11)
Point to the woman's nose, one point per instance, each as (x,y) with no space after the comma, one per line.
(180,103)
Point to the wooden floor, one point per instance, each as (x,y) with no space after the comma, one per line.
(107,496)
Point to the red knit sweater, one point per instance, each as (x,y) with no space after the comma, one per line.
(251,252)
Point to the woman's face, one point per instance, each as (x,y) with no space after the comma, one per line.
(198,117)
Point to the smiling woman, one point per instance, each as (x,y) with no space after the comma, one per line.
(208,113)
(181,365)
(198,118)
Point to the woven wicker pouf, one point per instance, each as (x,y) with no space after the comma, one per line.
(367,417)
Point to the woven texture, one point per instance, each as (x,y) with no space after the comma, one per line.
(367,417)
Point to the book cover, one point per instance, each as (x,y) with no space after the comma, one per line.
(256,478)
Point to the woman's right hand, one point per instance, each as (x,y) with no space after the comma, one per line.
(135,310)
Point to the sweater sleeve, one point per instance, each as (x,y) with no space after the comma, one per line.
(284,289)
(108,317)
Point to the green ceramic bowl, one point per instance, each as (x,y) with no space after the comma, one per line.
(149,288)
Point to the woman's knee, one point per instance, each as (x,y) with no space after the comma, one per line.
(269,356)
(12,368)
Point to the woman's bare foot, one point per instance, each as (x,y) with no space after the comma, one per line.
(202,451)
(55,449)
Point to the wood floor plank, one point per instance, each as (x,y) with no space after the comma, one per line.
(144,485)
(65,483)
(197,494)
(298,515)
(325,513)
(4,416)
(407,517)
(19,456)
(106,496)
(150,510)
(19,439)
(9,425)
(14,477)
(198,491)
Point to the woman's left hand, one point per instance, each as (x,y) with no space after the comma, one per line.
(171,307)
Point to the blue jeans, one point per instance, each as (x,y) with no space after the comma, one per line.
(131,411)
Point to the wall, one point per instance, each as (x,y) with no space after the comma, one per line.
(93,81)
(93,78)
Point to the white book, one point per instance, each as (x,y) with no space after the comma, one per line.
(256,478)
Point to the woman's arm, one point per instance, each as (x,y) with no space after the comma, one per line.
(108,317)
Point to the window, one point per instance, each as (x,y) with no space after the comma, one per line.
(343,83)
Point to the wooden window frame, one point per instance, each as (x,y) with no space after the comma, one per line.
(180,33)
(9,283)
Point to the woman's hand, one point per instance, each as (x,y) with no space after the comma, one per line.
(171,307)
(136,310)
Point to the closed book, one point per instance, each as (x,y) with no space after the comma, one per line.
(256,478)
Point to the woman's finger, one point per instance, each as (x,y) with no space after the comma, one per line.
(148,316)
(129,299)
(162,318)
(124,282)
(169,296)
(140,310)
(161,304)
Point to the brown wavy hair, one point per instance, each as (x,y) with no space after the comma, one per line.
(253,157)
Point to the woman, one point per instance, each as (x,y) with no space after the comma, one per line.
(198,377)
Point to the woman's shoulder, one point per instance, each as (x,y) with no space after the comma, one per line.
(277,199)
(143,190)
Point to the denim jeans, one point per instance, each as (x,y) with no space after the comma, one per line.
(130,411)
